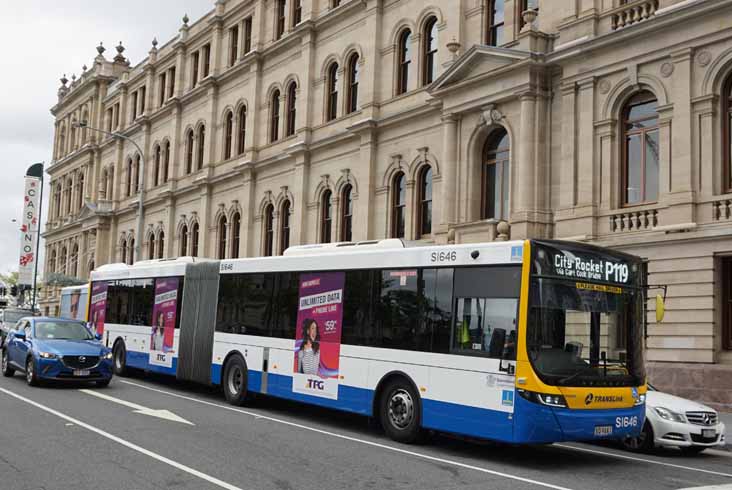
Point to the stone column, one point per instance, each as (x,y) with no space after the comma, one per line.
(684,174)
(449,169)
(568,163)
(585,142)
(524,188)
(248,204)
(705,110)
(365,207)
(301,186)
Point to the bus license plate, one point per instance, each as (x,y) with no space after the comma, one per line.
(603,430)
(706,433)
(81,372)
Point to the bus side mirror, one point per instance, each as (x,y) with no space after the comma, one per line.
(660,308)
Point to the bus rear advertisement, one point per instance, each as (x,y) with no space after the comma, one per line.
(520,342)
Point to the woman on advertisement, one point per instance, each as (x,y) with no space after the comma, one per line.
(308,356)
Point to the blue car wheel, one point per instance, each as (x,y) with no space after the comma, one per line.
(7,370)
(30,372)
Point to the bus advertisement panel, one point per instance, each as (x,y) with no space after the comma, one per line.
(164,313)
(98,306)
(318,334)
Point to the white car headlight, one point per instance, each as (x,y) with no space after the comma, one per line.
(47,355)
(667,414)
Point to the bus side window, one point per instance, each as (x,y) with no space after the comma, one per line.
(284,323)
(358,325)
(398,311)
(486,302)
(437,306)
(245,304)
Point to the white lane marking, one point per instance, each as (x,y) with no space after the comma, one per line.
(713,487)
(354,439)
(644,460)
(130,445)
(163,414)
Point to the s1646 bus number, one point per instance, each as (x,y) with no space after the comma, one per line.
(443,256)
(621,422)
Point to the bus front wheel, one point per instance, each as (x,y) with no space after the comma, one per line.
(235,380)
(400,411)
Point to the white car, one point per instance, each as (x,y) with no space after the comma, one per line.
(676,422)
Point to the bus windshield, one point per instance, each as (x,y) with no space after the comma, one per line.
(583,334)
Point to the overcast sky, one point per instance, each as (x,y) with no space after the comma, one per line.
(43,39)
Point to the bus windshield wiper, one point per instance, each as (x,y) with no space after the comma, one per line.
(569,378)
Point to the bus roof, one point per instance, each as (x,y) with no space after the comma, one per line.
(71,289)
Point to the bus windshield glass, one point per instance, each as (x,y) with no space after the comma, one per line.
(584,334)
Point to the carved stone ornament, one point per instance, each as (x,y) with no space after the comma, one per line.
(704,58)
(490,116)
(604,86)
(667,69)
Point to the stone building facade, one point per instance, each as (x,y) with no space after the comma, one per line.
(270,123)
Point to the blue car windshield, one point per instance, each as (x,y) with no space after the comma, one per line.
(62,330)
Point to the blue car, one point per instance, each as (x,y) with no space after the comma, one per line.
(56,349)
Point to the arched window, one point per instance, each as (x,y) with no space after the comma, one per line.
(61,143)
(235,235)
(331,83)
(52,262)
(347,214)
(161,244)
(284,226)
(496,19)
(201,145)
(727,136)
(291,108)
(404,53)
(228,134)
(156,168)
(189,151)
(242,130)
(424,218)
(495,176)
(166,164)
(74,261)
(221,228)
(123,251)
(137,173)
(80,191)
(131,251)
(69,188)
(268,230)
(398,205)
(183,241)
(353,76)
(296,12)
(429,51)
(151,246)
(62,261)
(274,117)
(326,217)
(640,149)
(194,240)
(128,189)
(110,184)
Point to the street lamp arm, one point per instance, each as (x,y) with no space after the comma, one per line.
(140,179)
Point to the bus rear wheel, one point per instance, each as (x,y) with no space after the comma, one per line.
(235,380)
(400,411)
(119,357)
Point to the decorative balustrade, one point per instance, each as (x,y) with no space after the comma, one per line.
(633,13)
(634,220)
(722,209)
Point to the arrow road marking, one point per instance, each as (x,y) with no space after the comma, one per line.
(163,414)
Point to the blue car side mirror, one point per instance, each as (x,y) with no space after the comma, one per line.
(98,336)
(19,335)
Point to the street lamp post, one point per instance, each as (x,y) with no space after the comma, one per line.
(140,179)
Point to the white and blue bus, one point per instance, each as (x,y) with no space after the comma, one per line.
(523,342)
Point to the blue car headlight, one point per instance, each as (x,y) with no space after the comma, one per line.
(107,356)
(47,355)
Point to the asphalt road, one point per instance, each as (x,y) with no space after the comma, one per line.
(62,437)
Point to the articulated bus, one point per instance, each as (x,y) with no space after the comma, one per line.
(521,342)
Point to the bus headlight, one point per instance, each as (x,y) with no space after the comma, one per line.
(557,401)
(667,414)
(640,400)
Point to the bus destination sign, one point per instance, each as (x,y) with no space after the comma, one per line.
(583,264)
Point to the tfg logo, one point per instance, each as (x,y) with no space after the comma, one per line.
(316,384)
